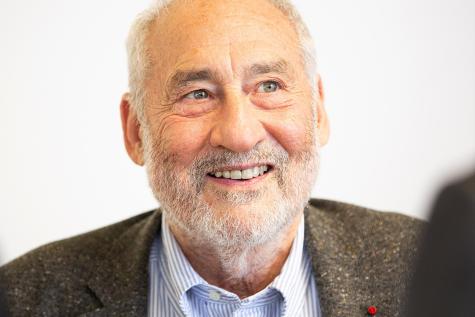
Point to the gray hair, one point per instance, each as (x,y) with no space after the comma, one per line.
(140,61)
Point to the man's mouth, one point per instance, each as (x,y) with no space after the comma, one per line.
(242,174)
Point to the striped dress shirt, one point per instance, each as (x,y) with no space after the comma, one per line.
(175,289)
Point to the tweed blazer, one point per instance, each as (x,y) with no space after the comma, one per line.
(360,258)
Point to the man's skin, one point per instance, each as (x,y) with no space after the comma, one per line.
(236,109)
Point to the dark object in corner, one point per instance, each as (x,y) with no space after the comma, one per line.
(444,281)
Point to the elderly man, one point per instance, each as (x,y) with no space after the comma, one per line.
(226,112)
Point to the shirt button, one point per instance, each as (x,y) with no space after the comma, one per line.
(214,295)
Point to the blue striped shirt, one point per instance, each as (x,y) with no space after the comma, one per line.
(176,289)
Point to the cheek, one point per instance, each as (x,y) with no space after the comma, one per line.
(183,138)
(292,130)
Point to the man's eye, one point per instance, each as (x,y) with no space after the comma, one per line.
(197,94)
(268,86)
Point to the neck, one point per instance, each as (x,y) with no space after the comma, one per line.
(240,270)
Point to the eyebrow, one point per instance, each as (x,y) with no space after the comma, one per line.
(279,67)
(183,78)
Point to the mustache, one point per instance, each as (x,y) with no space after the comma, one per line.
(260,154)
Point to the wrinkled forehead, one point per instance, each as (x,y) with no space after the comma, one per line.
(228,34)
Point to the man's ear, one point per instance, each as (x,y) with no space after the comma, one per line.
(131,130)
(323,126)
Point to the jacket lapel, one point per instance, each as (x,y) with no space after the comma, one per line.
(120,280)
(336,258)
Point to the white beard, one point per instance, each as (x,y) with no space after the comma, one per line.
(268,210)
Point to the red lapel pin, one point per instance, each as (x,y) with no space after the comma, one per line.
(372,310)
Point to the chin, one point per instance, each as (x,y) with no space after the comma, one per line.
(252,221)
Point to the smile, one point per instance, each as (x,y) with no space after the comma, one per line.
(244,174)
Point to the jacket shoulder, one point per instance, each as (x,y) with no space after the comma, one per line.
(357,220)
(369,231)
(58,271)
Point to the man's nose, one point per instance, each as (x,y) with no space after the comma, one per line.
(237,127)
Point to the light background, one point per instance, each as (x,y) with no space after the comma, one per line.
(400,87)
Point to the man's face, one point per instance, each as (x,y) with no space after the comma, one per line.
(230,139)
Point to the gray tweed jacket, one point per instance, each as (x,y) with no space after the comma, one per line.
(360,258)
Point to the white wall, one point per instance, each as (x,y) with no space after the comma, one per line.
(400,87)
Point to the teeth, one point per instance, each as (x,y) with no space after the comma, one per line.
(235,174)
(243,174)
(263,169)
(247,174)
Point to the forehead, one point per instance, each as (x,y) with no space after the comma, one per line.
(227,34)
